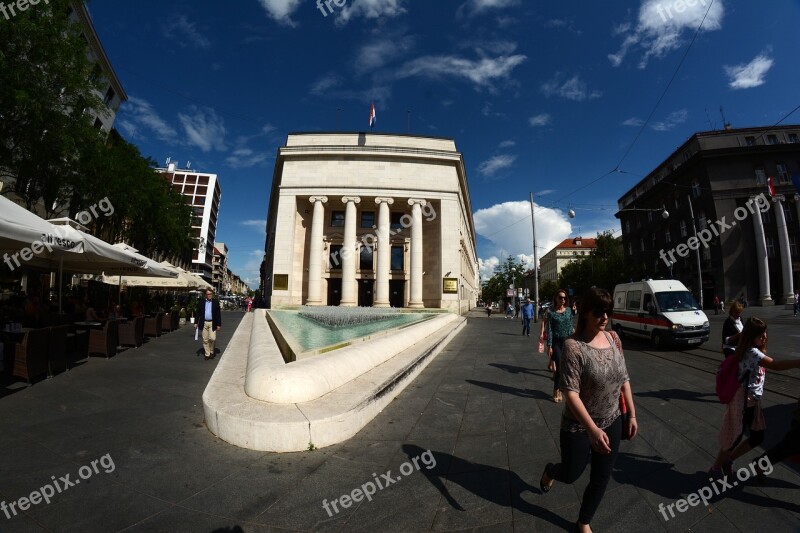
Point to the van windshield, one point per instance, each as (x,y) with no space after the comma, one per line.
(676,301)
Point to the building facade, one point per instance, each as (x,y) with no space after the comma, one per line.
(220,272)
(203,192)
(363,219)
(566,252)
(716,184)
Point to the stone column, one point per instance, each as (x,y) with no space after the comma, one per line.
(415,293)
(786,256)
(349,294)
(316,249)
(384,252)
(762,261)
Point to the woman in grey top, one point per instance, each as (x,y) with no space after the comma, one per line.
(593,375)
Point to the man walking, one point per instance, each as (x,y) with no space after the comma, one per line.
(209,321)
(796,301)
(527,315)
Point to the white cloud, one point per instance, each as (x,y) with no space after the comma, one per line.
(245,158)
(508,227)
(486,267)
(138,117)
(662,24)
(481,72)
(495,164)
(281,10)
(572,89)
(673,119)
(475,7)
(542,119)
(634,121)
(380,52)
(507,144)
(371,9)
(749,75)
(185,32)
(325,84)
(260,224)
(545,192)
(203,128)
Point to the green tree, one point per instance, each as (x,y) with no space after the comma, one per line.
(48,89)
(604,268)
(506,274)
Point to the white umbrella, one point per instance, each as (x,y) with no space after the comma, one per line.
(183,280)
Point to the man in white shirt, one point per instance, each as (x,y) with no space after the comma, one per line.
(209,321)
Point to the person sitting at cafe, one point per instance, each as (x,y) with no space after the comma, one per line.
(91,314)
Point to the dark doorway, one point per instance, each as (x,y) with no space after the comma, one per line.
(365,291)
(397,292)
(334,291)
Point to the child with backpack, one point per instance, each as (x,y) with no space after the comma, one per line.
(744,408)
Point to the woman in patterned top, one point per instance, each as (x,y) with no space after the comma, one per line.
(559,327)
(744,410)
(593,375)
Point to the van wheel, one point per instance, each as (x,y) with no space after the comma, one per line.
(658,340)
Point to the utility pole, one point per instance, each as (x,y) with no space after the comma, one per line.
(535,268)
(697,250)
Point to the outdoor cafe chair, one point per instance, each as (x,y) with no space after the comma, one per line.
(30,357)
(104,341)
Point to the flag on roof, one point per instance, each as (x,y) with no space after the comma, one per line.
(372,115)
(771,187)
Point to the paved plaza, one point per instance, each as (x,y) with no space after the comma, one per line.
(482,408)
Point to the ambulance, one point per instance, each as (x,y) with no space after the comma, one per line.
(663,311)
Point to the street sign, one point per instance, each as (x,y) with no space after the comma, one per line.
(510,293)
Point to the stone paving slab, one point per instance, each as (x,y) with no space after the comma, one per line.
(482,408)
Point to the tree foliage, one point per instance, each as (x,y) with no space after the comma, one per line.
(52,156)
(508,273)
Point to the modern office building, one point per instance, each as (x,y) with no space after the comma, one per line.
(716,184)
(364,219)
(202,191)
(220,270)
(566,252)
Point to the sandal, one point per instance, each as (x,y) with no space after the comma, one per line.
(546,488)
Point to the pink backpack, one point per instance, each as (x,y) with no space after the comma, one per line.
(728,379)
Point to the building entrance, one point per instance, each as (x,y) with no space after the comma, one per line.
(365,292)
(334,291)
(397,292)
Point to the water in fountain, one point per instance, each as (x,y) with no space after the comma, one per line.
(347,316)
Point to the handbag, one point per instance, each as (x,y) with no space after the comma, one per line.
(623,406)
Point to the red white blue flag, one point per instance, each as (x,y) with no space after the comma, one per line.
(372,115)
(771,187)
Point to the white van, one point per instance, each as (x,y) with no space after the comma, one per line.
(663,311)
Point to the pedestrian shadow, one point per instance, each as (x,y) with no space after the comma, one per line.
(522,370)
(679,394)
(505,389)
(652,473)
(496,485)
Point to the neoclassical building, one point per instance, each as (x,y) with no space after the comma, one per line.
(366,219)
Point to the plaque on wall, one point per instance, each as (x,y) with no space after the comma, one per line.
(450,285)
(281,282)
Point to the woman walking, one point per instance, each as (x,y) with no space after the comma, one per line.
(744,410)
(731,329)
(559,327)
(593,376)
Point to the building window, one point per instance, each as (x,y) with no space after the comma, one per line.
(761,176)
(695,188)
(368,219)
(793,138)
(641,244)
(337,219)
(627,226)
(772,139)
(683,228)
(750,141)
(98,124)
(365,262)
(707,254)
(792,246)
(653,239)
(787,213)
(667,237)
(677,197)
(770,246)
(649,216)
(398,258)
(766,217)
(395,220)
(783,173)
(335,257)
(630,248)
(109,97)
(702,220)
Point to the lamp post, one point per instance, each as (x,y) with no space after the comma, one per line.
(697,251)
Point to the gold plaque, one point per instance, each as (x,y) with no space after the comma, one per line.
(281,282)
(450,285)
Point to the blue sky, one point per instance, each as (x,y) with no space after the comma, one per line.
(539,96)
